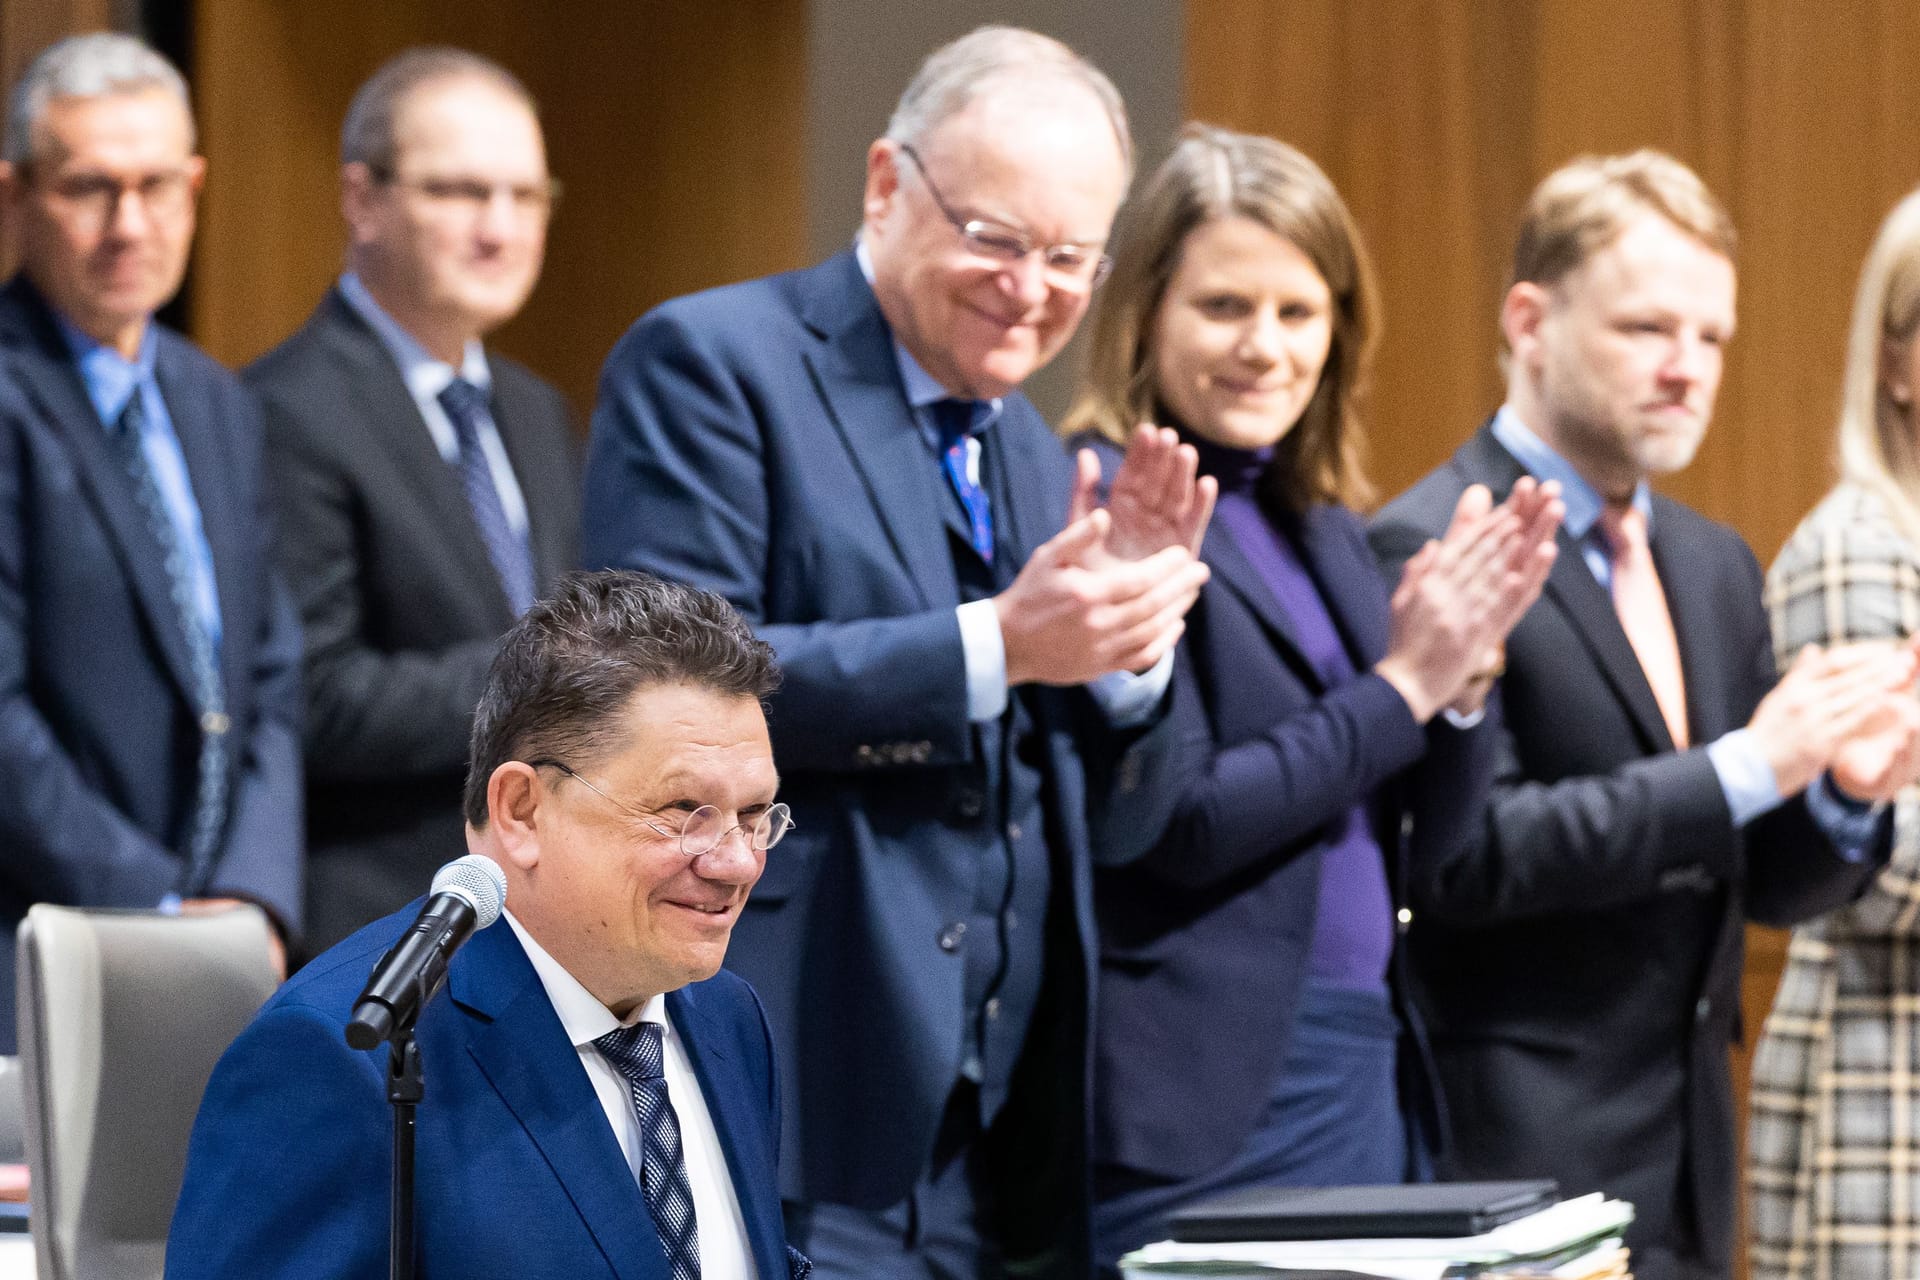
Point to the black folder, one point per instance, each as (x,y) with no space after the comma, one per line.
(1432,1209)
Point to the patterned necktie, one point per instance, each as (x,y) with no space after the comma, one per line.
(637,1052)
(465,404)
(209,691)
(1642,605)
(954,421)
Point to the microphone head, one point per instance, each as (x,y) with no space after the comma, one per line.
(479,880)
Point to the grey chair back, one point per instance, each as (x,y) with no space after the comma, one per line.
(122,1016)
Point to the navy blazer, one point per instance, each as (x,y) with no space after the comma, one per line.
(1204,942)
(756,440)
(1578,959)
(99,732)
(518,1174)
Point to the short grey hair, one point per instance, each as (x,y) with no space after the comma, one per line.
(366,136)
(990,57)
(88,66)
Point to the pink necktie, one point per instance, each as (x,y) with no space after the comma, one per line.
(1642,606)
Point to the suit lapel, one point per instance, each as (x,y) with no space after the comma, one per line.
(857,377)
(1572,589)
(522,1051)
(737,1104)
(1349,582)
(1691,603)
(47,374)
(392,418)
(539,476)
(1238,576)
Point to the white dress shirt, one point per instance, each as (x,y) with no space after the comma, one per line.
(724,1247)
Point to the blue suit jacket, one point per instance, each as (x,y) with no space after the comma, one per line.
(518,1174)
(756,441)
(1204,943)
(99,736)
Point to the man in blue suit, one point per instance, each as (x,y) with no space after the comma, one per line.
(599,1098)
(149,662)
(844,454)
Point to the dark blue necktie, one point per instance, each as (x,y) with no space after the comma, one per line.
(637,1053)
(465,405)
(954,421)
(209,691)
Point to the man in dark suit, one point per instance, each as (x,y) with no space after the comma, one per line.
(427,488)
(149,662)
(599,1100)
(1579,962)
(842,452)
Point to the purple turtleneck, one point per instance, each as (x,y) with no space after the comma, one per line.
(1353,924)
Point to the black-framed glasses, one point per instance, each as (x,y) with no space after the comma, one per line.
(473,195)
(1074,267)
(705,827)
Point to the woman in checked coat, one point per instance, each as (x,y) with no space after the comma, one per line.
(1834,1147)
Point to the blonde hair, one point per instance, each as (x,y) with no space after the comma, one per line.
(1877,446)
(1579,209)
(1212,174)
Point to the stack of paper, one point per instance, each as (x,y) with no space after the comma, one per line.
(1573,1240)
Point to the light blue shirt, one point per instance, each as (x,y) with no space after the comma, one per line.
(1746,779)
(1128,699)
(112,381)
(426,377)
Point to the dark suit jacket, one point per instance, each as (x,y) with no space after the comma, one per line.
(99,732)
(517,1172)
(1579,963)
(401,606)
(756,441)
(1204,942)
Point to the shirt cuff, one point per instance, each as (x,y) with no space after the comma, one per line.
(1746,779)
(984,650)
(169,904)
(1847,823)
(1128,699)
(1465,719)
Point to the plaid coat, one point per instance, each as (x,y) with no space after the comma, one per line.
(1834,1144)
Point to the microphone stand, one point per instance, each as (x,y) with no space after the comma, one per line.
(404,1091)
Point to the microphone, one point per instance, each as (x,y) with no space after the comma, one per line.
(468,894)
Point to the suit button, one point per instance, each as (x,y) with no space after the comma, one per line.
(970,803)
(214,723)
(1404,918)
(1013,831)
(993,1008)
(1009,919)
(1703,1010)
(951,936)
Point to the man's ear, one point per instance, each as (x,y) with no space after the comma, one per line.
(1522,314)
(883,179)
(515,794)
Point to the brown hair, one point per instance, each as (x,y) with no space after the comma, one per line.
(1216,174)
(574,660)
(1579,208)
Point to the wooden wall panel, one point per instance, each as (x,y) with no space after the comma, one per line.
(676,125)
(1435,119)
